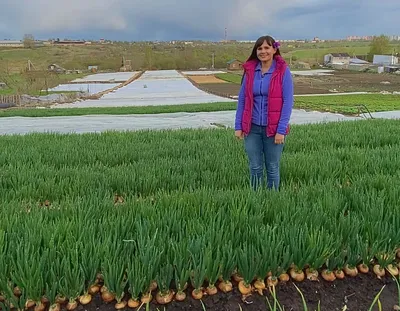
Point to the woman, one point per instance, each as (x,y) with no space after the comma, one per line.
(264,109)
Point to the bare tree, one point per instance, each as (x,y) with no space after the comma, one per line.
(29,41)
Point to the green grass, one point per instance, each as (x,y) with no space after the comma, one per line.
(32,112)
(32,83)
(187,202)
(230,77)
(109,57)
(63,78)
(7,92)
(35,93)
(14,83)
(349,104)
(44,93)
(187,205)
(345,104)
(160,56)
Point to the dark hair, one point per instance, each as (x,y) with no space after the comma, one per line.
(259,43)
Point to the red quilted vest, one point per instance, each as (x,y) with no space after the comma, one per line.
(275,99)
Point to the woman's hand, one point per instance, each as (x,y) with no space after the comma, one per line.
(279,139)
(239,134)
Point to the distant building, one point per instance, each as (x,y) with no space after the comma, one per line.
(385,60)
(357,64)
(392,69)
(11,43)
(234,64)
(93,68)
(56,68)
(359,38)
(337,58)
(18,43)
(71,42)
(394,38)
(357,61)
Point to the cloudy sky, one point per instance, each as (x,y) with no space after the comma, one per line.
(134,20)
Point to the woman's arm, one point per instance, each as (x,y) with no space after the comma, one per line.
(288,101)
(240,106)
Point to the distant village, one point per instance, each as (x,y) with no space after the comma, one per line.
(380,63)
(41,43)
(345,61)
(65,42)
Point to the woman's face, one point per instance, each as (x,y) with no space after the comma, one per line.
(265,52)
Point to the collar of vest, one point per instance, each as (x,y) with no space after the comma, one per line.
(250,65)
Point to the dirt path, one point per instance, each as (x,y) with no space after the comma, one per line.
(348,81)
(340,81)
(205,79)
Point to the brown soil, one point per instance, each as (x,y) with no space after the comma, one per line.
(348,81)
(222,89)
(342,81)
(205,79)
(357,294)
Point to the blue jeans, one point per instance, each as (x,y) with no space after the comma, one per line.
(261,150)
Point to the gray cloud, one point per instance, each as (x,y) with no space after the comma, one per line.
(196,19)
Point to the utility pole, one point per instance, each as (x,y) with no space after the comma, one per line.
(213,60)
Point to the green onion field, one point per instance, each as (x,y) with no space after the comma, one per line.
(169,215)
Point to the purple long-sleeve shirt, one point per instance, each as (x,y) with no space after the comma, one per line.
(260,94)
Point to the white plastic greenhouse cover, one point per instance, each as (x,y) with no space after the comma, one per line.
(100,123)
(107,77)
(313,72)
(153,88)
(202,72)
(91,88)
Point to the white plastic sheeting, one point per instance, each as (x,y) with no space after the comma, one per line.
(100,123)
(108,77)
(315,72)
(384,115)
(202,72)
(153,88)
(331,94)
(161,74)
(91,88)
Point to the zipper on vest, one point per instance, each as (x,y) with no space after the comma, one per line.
(262,100)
